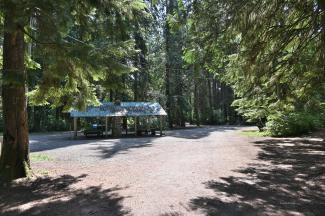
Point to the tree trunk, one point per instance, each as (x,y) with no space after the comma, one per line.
(37,119)
(168,95)
(111,95)
(116,128)
(174,73)
(167,80)
(321,4)
(135,87)
(196,104)
(14,160)
(141,77)
(210,100)
(214,93)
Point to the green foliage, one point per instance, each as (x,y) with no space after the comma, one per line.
(78,45)
(255,133)
(252,110)
(295,123)
(36,157)
(42,172)
(57,125)
(185,54)
(272,55)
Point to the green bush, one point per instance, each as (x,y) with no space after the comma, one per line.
(295,123)
(57,125)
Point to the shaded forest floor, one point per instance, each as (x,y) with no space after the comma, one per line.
(201,171)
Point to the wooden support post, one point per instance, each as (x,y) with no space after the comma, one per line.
(135,126)
(149,128)
(117,124)
(75,127)
(106,126)
(126,128)
(161,125)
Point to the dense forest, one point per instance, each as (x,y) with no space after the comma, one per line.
(204,61)
(145,62)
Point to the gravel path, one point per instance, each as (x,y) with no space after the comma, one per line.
(202,171)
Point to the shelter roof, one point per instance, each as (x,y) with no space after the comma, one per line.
(109,109)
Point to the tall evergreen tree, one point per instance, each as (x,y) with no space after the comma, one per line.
(174,67)
(79,43)
(14,161)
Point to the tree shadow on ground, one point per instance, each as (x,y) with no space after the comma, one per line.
(199,132)
(288,178)
(107,147)
(123,146)
(111,147)
(43,142)
(56,196)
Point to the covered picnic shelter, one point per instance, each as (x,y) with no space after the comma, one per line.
(117,110)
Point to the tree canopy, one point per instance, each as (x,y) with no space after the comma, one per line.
(272,55)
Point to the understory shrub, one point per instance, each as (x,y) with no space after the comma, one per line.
(57,125)
(295,123)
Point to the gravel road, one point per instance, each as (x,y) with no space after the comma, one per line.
(200,171)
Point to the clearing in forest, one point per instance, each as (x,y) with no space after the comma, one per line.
(201,171)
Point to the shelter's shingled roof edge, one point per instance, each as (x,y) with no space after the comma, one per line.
(109,109)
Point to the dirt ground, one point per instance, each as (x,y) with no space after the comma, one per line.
(198,171)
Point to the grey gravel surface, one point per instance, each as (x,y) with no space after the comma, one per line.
(199,171)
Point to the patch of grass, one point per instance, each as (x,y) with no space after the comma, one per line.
(36,157)
(255,133)
(42,172)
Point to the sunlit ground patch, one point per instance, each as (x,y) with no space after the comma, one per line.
(36,157)
(254,133)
